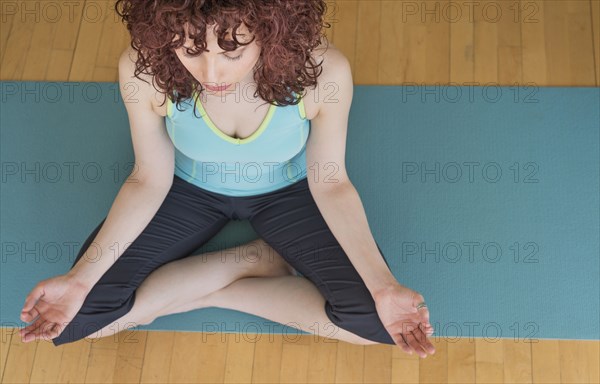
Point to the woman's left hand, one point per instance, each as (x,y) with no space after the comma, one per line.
(397,308)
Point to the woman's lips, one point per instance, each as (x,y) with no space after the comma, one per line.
(216,89)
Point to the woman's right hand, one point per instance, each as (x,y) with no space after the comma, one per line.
(52,303)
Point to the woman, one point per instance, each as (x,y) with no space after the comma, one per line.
(206,155)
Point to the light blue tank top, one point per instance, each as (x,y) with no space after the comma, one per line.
(273,157)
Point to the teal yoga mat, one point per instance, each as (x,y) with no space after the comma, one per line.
(482,198)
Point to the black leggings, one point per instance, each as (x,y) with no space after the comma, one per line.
(288,219)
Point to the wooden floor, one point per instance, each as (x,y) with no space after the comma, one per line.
(547,43)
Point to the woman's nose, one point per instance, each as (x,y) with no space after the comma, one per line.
(211,74)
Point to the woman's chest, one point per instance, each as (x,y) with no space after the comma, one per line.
(239,118)
(277,135)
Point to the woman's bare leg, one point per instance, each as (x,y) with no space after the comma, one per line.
(179,285)
(293,301)
(251,278)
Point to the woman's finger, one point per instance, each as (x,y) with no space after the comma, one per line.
(30,331)
(404,328)
(424,315)
(31,327)
(41,307)
(50,332)
(36,293)
(422,311)
(414,344)
(428,329)
(405,347)
(399,340)
(423,340)
(28,317)
(44,328)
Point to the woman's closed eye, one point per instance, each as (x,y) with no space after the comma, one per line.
(234,58)
(197,54)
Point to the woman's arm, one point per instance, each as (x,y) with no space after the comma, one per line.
(143,192)
(343,211)
(336,197)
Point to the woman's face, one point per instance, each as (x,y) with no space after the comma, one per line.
(216,67)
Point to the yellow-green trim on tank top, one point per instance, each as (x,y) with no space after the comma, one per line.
(169,115)
(169,108)
(218,132)
(301,109)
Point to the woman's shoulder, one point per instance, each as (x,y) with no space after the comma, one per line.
(140,88)
(333,64)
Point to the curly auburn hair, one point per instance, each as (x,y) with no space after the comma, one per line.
(288,31)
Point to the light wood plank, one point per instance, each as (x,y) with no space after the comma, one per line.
(435,35)
(557,43)
(434,368)
(322,360)
(581,40)
(267,359)
(59,65)
(294,360)
(67,27)
(130,356)
(378,364)
(461,361)
(331,17)
(485,56)
(185,356)
(489,360)
(545,361)
(19,362)
(113,39)
(158,357)
(74,361)
(508,20)
(17,45)
(592,351)
(36,60)
(405,367)
(88,39)
(102,360)
(510,66)
(6,333)
(240,359)
(367,42)
(595,16)
(213,355)
(198,357)
(405,371)
(461,46)
(105,74)
(533,43)
(7,14)
(573,362)
(46,367)
(416,47)
(517,361)
(345,30)
(350,361)
(393,58)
